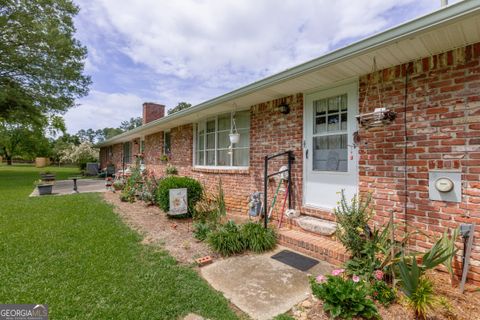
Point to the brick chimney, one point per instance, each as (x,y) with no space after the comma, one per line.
(152,111)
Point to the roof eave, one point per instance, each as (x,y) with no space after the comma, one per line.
(408,29)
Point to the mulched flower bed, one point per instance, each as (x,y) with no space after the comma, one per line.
(462,306)
(175,235)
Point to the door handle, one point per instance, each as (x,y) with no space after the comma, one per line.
(306,154)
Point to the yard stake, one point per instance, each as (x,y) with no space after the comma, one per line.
(287,193)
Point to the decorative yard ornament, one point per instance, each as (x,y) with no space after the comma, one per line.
(380,116)
(292,213)
(255,204)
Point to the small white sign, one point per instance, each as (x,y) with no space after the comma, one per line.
(178,202)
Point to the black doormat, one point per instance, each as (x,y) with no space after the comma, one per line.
(295,260)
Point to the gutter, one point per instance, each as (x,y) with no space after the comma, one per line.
(408,29)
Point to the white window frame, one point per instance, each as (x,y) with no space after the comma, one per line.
(130,155)
(164,142)
(216,149)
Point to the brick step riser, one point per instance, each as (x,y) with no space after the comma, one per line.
(313,250)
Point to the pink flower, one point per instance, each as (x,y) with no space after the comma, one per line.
(321,279)
(337,272)
(378,274)
(355,278)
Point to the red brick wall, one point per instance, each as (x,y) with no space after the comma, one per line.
(152,111)
(442,132)
(117,155)
(270,132)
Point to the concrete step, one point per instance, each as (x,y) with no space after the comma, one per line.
(314,246)
(316,225)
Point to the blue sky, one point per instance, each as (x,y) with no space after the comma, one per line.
(171,51)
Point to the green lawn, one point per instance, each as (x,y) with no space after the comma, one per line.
(74,254)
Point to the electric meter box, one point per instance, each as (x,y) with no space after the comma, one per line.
(445,185)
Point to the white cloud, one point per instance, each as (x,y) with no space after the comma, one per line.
(100,110)
(194,50)
(204,38)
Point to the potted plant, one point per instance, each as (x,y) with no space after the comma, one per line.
(108,182)
(47,176)
(164,158)
(43,187)
(171,170)
(118,185)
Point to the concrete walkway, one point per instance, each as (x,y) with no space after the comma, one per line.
(260,286)
(62,187)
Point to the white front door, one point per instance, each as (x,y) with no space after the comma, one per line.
(330,158)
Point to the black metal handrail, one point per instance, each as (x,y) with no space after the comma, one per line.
(266,176)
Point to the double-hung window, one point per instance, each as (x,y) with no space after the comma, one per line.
(127,152)
(212,141)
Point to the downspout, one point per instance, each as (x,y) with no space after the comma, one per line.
(443,3)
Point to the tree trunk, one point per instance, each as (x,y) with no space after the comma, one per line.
(9,160)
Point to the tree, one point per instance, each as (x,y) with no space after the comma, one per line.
(41,63)
(180,106)
(89,135)
(62,143)
(107,133)
(131,124)
(21,139)
(81,154)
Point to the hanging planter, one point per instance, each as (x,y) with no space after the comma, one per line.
(378,118)
(234,138)
(381,116)
(234,135)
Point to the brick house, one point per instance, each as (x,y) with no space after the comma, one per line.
(427,72)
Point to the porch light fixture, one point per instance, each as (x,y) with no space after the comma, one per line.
(284,108)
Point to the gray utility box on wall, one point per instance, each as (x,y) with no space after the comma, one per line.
(445,185)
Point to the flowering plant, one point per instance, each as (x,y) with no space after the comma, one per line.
(344,297)
(382,292)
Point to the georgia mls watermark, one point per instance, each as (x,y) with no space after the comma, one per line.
(23,312)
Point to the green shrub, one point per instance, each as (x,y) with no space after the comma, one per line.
(149,187)
(417,288)
(257,238)
(352,222)
(227,239)
(211,209)
(382,292)
(344,298)
(423,299)
(194,191)
(118,184)
(133,184)
(201,231)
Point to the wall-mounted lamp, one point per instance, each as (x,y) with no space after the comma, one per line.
(284,108)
